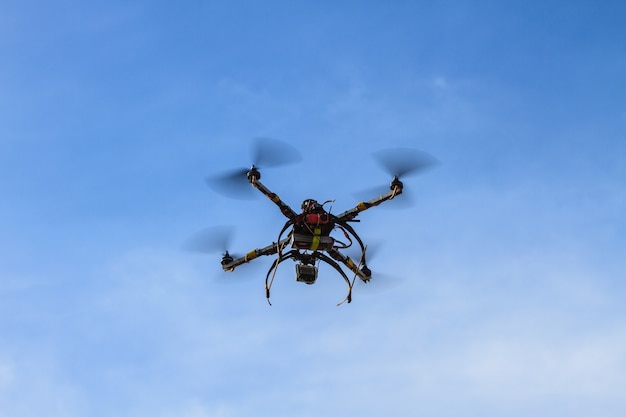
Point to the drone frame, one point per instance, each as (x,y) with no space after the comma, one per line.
(307,249)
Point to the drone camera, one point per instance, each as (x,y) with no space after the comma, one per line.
(306,273)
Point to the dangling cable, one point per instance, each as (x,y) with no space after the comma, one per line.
(268,287)
(355,274)
(274,267)
(278,247)
(342,244)
(351,230)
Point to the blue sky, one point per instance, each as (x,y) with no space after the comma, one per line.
(504,290)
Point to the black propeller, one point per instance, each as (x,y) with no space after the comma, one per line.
(371,251)
(402,162)
(399,163)
(217,239)
(266,153)
(210,240)
(380,281)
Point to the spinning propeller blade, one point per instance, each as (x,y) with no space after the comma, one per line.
(401,162)
(380,282)
(210,240)
(233,184)
(217,239)
(266,153)
(371,251)
(406,200)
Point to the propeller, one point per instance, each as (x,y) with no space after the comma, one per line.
(217,239)
(399,163)
(402,162)
(371,251)
(266,153)
(210,240)
(380,281)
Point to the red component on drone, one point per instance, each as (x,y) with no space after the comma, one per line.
(317,218)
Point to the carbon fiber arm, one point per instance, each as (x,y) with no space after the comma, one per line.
(395,189)
(284,208)
(253,254)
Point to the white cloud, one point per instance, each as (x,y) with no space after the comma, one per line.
(525,367)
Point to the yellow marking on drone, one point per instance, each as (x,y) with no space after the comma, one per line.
(316,239)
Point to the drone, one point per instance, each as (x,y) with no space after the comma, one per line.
(309,237)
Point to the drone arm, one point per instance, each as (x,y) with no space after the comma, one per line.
(230,264)
(284,208)
(364,274)
(396,189)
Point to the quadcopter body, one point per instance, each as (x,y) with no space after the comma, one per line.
(309,237)
(309,241)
